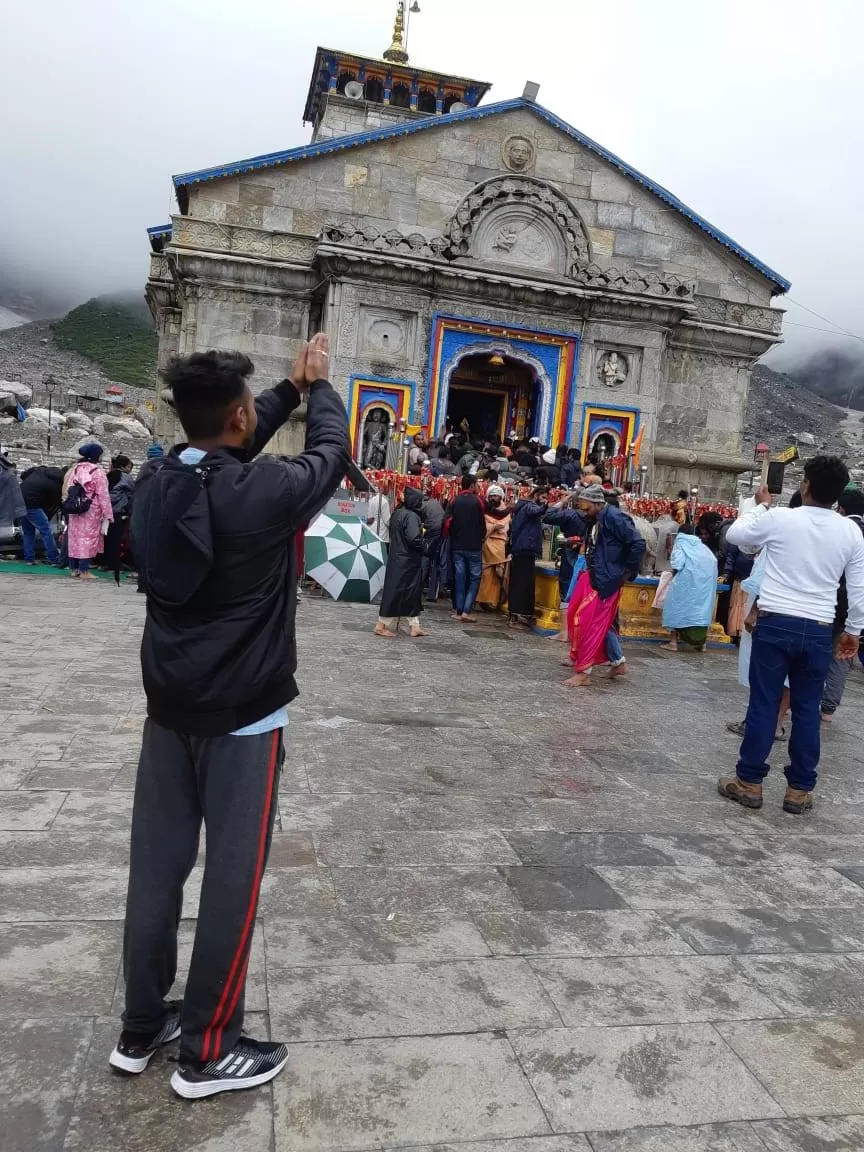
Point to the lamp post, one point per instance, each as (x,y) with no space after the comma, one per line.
(415,8)
(51,386)
(643,478)
(694,500)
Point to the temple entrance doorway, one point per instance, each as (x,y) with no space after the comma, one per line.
(496,395)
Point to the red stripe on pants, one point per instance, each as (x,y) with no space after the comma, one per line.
(237,972)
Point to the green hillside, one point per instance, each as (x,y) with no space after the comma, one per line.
(115,333)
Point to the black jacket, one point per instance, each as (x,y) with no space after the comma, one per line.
(41,487)
(616,552)
(214,543)
(403,581)
(526,528)
(467,523)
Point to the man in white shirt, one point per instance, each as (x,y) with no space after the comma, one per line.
(807,550)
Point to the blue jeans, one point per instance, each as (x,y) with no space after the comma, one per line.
(468,567)
(614,654)
(802,650)
(37,521)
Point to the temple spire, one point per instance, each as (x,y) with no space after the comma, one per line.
(396,52)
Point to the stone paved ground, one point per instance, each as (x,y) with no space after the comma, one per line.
(498,915)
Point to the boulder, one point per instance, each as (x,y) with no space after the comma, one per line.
(41,414)
(23,393)
(79,420)
(143,413)
(806,438)
(109,425)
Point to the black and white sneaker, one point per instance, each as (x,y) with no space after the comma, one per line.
(248,1064)
(134,1051)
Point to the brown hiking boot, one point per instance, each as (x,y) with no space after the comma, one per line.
(797,801)
(748,795)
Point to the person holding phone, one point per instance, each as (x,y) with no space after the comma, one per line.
(807,550)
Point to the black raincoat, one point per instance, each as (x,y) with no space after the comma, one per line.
(403,583)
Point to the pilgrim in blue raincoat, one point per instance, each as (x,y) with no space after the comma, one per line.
(689,605)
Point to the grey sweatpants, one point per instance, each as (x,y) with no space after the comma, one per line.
(835,684)
(231,783)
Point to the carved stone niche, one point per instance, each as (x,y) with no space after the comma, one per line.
(387,333)
(613,368)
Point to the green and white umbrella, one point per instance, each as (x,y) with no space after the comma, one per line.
(345,557)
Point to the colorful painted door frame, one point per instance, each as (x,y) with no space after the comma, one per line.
(396,397)
(621,424)
(553,358)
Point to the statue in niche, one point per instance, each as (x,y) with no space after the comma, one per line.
(376,431)
(518,153)
(613,369)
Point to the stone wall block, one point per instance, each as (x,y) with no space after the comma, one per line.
(278,219)
(336,199)
(607,185)
(396,179)
(452,147)
(602,241)
(442,189)
(614,215)
(550,164)
(294,192)
(252,193)
(246,215)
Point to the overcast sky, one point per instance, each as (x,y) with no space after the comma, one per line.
(749,110)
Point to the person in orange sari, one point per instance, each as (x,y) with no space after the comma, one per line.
(494,579)
(613,551)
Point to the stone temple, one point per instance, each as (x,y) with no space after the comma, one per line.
(471,260)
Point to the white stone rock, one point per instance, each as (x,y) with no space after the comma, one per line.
(58,420)
(23,393)
(79,420)
(804,438)
(109,425)
(145,416)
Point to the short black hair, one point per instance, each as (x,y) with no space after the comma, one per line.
(204,387)
(795,500)
(827,476)
(444,452)
(851,500)
(683,494)
(120,461)
(468,481)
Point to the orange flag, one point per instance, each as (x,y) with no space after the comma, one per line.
(636,447)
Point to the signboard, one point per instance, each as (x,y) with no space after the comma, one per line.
(346,503)
(787,455)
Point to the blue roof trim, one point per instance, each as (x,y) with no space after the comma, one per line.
(342,143)
(160,230)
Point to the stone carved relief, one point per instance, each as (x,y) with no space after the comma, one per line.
(739,315)
(387,333)
(260,242)
(658,284)
(514,236)
(612,368)
(528,200)
(374,239)
(517,152)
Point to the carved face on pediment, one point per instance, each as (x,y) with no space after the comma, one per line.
(517,152)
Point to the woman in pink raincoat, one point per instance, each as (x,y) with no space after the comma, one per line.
(85,528)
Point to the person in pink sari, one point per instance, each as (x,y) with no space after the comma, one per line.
(85,528)
(613,551)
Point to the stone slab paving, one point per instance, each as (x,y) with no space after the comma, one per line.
(499,916)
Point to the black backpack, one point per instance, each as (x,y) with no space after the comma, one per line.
(77,502)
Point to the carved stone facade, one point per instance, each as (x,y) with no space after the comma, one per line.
(503,226)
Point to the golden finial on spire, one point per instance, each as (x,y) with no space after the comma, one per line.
(396,52)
